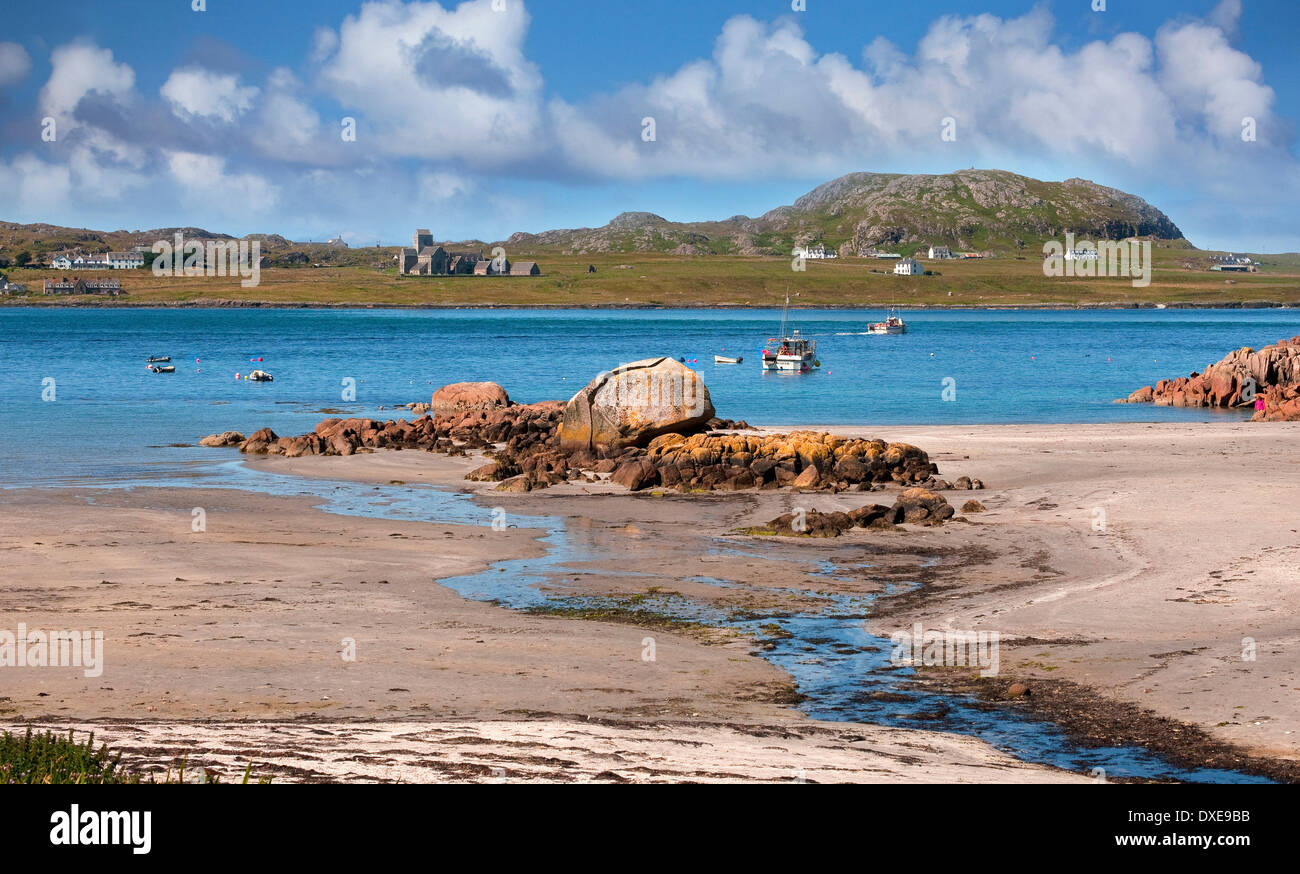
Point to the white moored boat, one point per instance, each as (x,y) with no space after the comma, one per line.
(722,359)
(790,352)
(893,324)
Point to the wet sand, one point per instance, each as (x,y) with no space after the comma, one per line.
(1146,562)
(227,645)
(1198,550)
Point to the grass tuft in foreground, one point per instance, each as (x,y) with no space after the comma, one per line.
(50,758)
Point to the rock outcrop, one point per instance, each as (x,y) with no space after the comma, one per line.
(1271,374)
(633,404)
(225,438)
(914,506)
(526,449)
(801,459)
(462,396)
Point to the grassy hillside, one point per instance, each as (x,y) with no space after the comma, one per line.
(666,280)
(642,259)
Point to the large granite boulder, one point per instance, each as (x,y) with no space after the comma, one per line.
(462,396)
(633,404)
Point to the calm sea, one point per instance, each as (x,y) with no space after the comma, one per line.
(113,420)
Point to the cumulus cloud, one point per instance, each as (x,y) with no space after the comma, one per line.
(88,163)
(434,186)
(78,70)
(31,188)
(206,181)
(446,98)
(437,84)
(15,63)
(1226,16)
(195,92)
(768,101)
(286,127)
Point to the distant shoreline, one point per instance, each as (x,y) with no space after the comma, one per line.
(255,304)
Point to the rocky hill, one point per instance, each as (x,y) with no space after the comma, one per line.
(980,210)
(971,210)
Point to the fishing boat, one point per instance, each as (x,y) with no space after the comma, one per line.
(166,368)
(790,352)
(261,376)
(159,359)
(722,359)
(893,324)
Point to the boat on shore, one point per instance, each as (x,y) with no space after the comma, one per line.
(893,324)
(723,359)
(790,353)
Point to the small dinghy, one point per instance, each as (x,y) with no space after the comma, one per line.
(166,368)
(159,359)
(261,376)
(722,359)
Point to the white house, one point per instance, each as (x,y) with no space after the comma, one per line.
(124,260)
(909,267)
(1081,254)
(106,261)
(817,252)
(95,262)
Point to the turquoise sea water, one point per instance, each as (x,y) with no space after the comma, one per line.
(112,419)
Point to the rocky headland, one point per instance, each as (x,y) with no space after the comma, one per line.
(1270,374)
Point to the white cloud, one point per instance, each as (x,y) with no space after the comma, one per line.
(287,128)
(1226,16)
(437,84)
(434,186)
(80,69)
(205,180)
(447,102)
(195,92)
(31,188)
(15,63)
(1210,82)
(767,102)
(88,164)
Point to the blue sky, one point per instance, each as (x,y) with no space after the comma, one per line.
(493,116)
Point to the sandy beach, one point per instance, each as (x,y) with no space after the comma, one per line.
(230,642)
